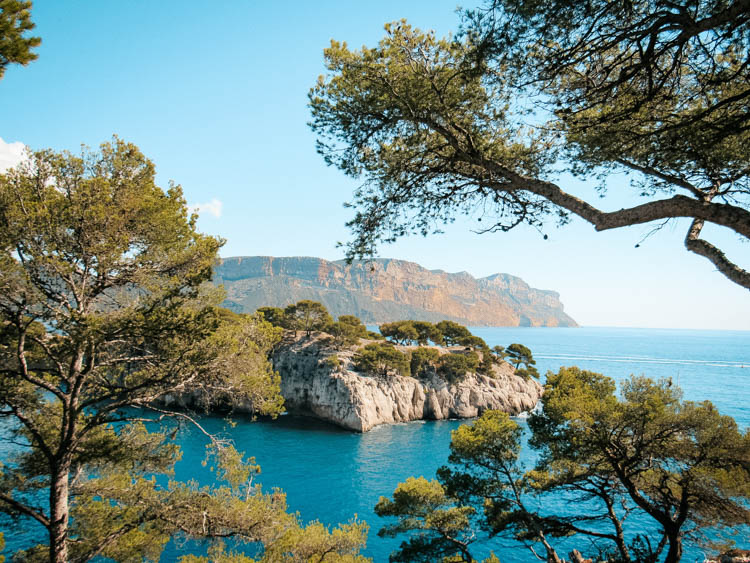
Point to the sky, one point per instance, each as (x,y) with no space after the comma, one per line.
(215,94)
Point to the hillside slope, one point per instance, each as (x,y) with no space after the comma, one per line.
(387,290)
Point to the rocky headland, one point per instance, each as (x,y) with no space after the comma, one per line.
(386,290)
(321,382)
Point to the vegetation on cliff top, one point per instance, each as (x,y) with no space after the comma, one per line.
(383,358)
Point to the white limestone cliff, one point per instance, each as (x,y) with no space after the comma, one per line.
(312,385)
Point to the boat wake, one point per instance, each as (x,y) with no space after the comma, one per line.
(647,360)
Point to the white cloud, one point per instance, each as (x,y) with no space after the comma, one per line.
(11,154)
(212,207)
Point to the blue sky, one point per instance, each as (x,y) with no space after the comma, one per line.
(215,94)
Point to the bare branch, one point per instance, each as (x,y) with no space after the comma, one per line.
(25,510)
(703,248)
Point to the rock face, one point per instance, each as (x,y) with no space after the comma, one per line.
(388,290)
(312,386)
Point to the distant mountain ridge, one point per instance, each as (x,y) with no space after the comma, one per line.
(387,290)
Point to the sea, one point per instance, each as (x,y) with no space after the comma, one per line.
(332,475)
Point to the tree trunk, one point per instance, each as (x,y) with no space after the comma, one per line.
(622,545)
(59,515)
(675,549)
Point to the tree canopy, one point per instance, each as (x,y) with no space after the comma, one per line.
(105,316)
(640,474)
(453,333)
(454,367)
(402,332)
(15,45)
(485,121)
(423,360)
(274,315)
(682,463)
(346,331)
(307,315)
(520,355)
(382,359)
(423,506)
(427,332)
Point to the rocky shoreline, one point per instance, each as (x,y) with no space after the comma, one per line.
(314,384)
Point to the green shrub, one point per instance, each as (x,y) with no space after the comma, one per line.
(344,335)
(422,360)
(453,367)
(331,362)
(382,359)
(486,363)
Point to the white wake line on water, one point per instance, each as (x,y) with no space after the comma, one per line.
(607,357)
(646,360)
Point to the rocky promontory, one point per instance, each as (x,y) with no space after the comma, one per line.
(321,382)
(386,290)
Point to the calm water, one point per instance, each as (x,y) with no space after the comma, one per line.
(332,475)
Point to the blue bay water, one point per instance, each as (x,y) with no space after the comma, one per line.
(332,475)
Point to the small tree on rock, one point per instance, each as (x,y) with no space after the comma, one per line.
(274,315)
(427,332)
(499,353)
(308,316)
(519,355)
(454,367)
(358,328)
(453,332)
(346,331)
(401,332)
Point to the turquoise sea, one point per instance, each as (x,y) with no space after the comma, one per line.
(332,475)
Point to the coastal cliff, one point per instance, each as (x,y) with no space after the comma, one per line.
(313,384)
(387,290)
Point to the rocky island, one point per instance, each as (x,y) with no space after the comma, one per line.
(315,384)
(342,373)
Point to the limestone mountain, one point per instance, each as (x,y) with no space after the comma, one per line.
(387,290)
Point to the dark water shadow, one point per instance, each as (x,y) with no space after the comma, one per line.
(304,423)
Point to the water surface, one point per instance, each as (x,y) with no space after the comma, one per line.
(332,475)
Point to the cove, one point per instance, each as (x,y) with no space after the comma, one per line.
(332,475)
